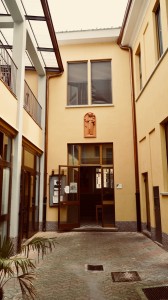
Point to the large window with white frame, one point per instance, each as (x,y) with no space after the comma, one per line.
(100,83)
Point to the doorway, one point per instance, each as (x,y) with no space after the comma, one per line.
(90,196)
(28,208)
(146,186)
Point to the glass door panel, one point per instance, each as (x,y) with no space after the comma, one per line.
(108,207)
(68,199)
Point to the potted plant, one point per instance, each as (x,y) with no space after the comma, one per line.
(20,266)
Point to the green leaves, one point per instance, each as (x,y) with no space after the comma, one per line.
(20,267)
(40,244)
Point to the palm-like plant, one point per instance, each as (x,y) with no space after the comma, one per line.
(22,267)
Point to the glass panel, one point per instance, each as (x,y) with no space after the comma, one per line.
(69,197)
(107,158)
(98,178)
(28,159)
(3,229)
(36,199)
(73,155)
(77,83)
(31,205)
(90,154)
(5,147)
(108,197)
(5,191)
(108,178)
(101,82)
(159,31)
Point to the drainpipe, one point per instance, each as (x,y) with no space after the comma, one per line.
(59,73)
(134,125)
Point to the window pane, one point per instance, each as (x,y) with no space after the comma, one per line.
(28,159)
(90,154)
(101,82)
(5,147)
(73,154)
(107,158)
(77,83)
(5,191)
(159,31)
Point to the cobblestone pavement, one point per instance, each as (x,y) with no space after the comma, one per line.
(63,274)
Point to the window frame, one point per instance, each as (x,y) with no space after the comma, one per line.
(89,83)
(139,67)
(68,98)
(158,25)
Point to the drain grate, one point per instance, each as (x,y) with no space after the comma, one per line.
(125,276)
(95,267)
(156,293)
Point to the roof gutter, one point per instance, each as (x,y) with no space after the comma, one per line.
(134,124)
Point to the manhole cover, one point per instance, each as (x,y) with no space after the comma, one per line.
(125,276)
(94,267)
(156,293)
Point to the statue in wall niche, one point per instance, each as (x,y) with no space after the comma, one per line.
(90,125)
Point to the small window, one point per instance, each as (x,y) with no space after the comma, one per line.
(77,84)
(159,31)
(139,67)
(101,82)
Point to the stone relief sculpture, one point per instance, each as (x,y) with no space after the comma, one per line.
(90,125)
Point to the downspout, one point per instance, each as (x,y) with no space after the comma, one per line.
(134,123)
(46,148)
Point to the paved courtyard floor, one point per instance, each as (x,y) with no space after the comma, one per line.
(64,274)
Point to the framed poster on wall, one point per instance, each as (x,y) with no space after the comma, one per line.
(54,185)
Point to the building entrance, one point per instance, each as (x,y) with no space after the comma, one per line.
(90,197)
(86,197)
(97,196)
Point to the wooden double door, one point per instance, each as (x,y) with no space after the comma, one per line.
(29,210)
(81,190)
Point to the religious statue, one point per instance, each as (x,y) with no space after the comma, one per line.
(90,125)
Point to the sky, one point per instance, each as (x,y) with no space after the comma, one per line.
(71,15)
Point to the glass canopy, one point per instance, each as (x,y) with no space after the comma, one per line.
(38,14)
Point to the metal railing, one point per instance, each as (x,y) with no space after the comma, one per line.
(31,104)
(8,69)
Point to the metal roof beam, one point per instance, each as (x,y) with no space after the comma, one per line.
(15,10)
(6,22)
(44,49)
(35,18)
(32,50)
(51,30)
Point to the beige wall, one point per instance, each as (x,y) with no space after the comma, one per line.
(32,131)
(113,123)
(8,108)
(152,110)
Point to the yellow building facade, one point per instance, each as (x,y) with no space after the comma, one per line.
(84,124)
(149,43)
(113,131)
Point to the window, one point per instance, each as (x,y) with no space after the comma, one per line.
(159,31)
(5,182)
(101,90)
(139,67)
(77,83)
(101,82)
(93,154)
